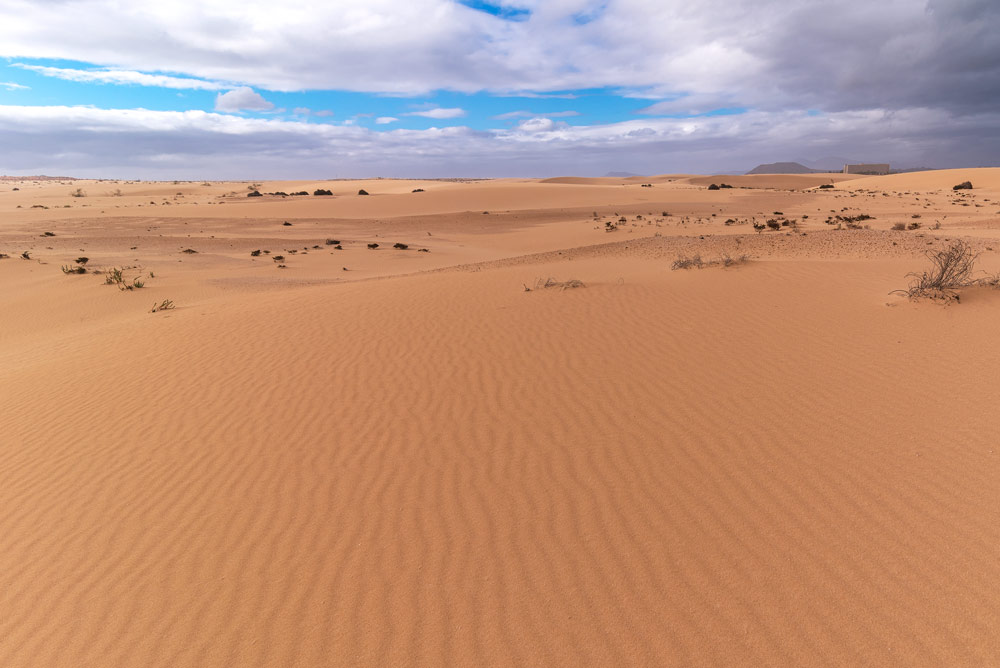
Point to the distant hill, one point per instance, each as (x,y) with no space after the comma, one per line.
(783,168)
(620,175)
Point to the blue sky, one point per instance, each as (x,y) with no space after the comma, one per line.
(491,87)
(46,81)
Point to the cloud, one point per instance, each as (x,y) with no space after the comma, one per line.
(121,77)
(439,113)
(86,141)
(768,54)
(10,85)
(242,98)
(306,111)
(385,120)
(530,114)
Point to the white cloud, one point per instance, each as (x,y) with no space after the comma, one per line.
(530,114)
(242,98)
(385,120)
(10,85)
(439,113)
(122,77)
(769,54)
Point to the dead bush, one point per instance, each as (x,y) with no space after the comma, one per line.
(951,270)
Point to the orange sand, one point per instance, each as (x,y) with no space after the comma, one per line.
(416,462)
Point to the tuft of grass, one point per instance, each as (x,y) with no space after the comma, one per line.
(70,269)
(164,305)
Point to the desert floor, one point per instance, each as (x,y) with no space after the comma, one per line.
(389,457)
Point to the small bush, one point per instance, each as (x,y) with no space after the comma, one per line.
(25,255)
(82,260)
(255,253)
(713,187)
(320,192)
(684,262)
(550,282)
(400,246)
(372,246)
(80,193)
(69,269)
(255,193)
(418,190)
(913,226)
(332,242)
(899,227)
(951,269)
(773,224)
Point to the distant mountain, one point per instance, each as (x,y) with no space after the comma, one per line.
(783,168)
(620,175)
(830,163)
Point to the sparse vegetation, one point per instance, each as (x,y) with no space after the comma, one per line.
(116,276)
(25,255)
(319,192)
(713,187)
(899,227)
(70,269)
(79,192)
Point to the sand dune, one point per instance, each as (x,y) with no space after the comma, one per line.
(417,462)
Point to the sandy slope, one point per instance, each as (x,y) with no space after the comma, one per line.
(417,462)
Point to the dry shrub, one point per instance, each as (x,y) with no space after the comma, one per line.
(951,270)
(725,260)
(541,284)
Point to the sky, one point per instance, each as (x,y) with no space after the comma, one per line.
(256,89)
